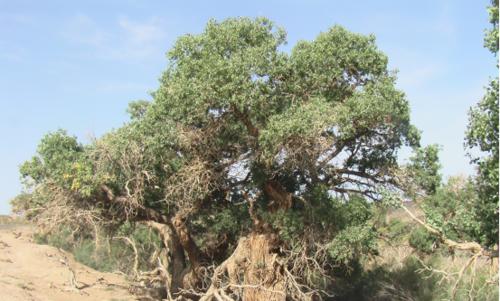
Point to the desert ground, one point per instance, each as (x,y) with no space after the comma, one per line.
(29,271)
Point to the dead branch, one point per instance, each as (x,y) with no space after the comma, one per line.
(476,249)
(473,247)
(128,240)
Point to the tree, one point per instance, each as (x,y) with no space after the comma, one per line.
(255,165)
(482,133)
(424,168)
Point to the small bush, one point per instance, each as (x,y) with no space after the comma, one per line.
(111,254)
(422,240)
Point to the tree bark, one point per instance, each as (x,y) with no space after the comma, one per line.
(280,198)
(251,273)
(175,262)
(191,279)
(263,277)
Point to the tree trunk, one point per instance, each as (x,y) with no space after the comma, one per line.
(191,279)
(175,262)
(187,242)
(263,277)
(280,198)
(251,273)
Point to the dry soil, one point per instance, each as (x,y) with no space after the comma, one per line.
(29,271)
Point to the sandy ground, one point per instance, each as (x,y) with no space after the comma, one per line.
(29,271)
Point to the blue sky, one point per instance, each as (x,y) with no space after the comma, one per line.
(76,64)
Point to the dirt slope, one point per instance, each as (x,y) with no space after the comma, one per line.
(29,271)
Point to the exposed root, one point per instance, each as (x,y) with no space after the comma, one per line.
(74,285)
(252,272)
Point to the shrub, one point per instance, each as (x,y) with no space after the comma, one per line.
(422,240)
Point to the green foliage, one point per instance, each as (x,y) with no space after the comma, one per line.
(351,243)
(399,282)
(289,98)
(379,105)
(424,167)
(349,223)
(389,199)
(422,240)
(137,109)
(60,238)
(304,121)
(491,36)
(289,223)
(453,210)
(219,225)
(22,202)
(337,58)
(62,161)
(236,55)
(32,204)
(57,152)
(482,133)
(392,281)
(483,122)
(396,231)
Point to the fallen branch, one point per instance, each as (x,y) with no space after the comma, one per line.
(473,247)
(476,249)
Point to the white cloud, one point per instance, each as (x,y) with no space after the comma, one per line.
(123,39)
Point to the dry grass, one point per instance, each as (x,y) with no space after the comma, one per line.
(442,275)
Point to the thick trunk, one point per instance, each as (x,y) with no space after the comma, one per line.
(187,242)
(191,277)
(176,239)
(178,263)
(174,261)
(263,277)
(251,273)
